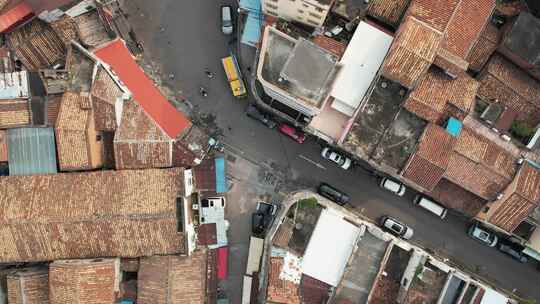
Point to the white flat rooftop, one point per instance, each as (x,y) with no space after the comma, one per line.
(359,65)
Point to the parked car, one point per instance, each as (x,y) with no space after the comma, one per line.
(226,19)
(334,31)
(392,186)
(263,217)
(342,161)
(333,194)
(482,235)
(430,205)
(298,136)
(511,249)
(396,227)
(254,113)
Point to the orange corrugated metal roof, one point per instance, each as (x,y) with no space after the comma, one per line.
(14,15)
(143,89)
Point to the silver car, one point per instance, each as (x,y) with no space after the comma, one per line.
(226,20)
(396,227)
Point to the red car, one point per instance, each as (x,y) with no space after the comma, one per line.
(298,136)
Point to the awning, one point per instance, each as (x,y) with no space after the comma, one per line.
(222,262)
(221,180)
(18,13)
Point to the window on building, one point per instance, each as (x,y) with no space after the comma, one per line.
(315,15)
(318,9)
(300,11)
(98,137)
(271,6)
(179,214)
(305,5)
(316,23)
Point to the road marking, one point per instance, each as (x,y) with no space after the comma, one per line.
(312,162)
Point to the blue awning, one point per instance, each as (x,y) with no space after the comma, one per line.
(221,180)
(251,34)
(453,126)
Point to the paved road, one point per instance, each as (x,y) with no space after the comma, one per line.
(185,37)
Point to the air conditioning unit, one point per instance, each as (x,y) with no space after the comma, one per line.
(499,196)
(505,137)
(195,207)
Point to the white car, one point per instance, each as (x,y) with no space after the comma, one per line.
(393,186)
(483,235)
(342,161)
(396,227)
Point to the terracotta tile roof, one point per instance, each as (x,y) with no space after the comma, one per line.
(475,177)
(512,212)
(205,176)
(388,11)
(486,45)
(66,28)
(466,24)
(53,106)
(105,87)
(423,173)
(520,199)
(14,113)
(432,156)
(206,234)
(104,114)
(77,149)
(13,13)
(283,234)
(173,279)
(125,213)
(503,81)
(3,146)
(280,291)
(36,45)
(435,13)
(456,198)
(83,281)
(144,91)
(91,30)
(436,89)
(139,142)
(528,183)
(412,52)
(28,286)
(461,22)
(485,152)
(333,46)
(313,291)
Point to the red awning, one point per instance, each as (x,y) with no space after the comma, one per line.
(14,15)
(222,262)
(170,120)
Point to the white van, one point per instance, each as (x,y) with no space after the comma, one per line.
(430,206)
(226,20)
(256,246)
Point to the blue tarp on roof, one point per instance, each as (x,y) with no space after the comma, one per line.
(251,34)
(31,151)
(221,180)
(453,126)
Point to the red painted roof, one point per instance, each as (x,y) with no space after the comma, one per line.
(222,261)
(143,89)
(14,15)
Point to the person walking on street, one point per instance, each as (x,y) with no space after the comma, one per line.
(208,73)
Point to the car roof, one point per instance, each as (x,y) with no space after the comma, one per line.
(392,185)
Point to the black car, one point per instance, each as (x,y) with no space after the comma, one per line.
(262,218)
(333,194)
(254,113)
(512,250)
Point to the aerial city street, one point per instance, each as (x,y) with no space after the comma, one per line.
(270,151)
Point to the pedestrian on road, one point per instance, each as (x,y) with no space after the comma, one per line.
(203,92)
(208,73)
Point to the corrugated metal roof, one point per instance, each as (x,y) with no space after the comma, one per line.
(31,151)
(144,91)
